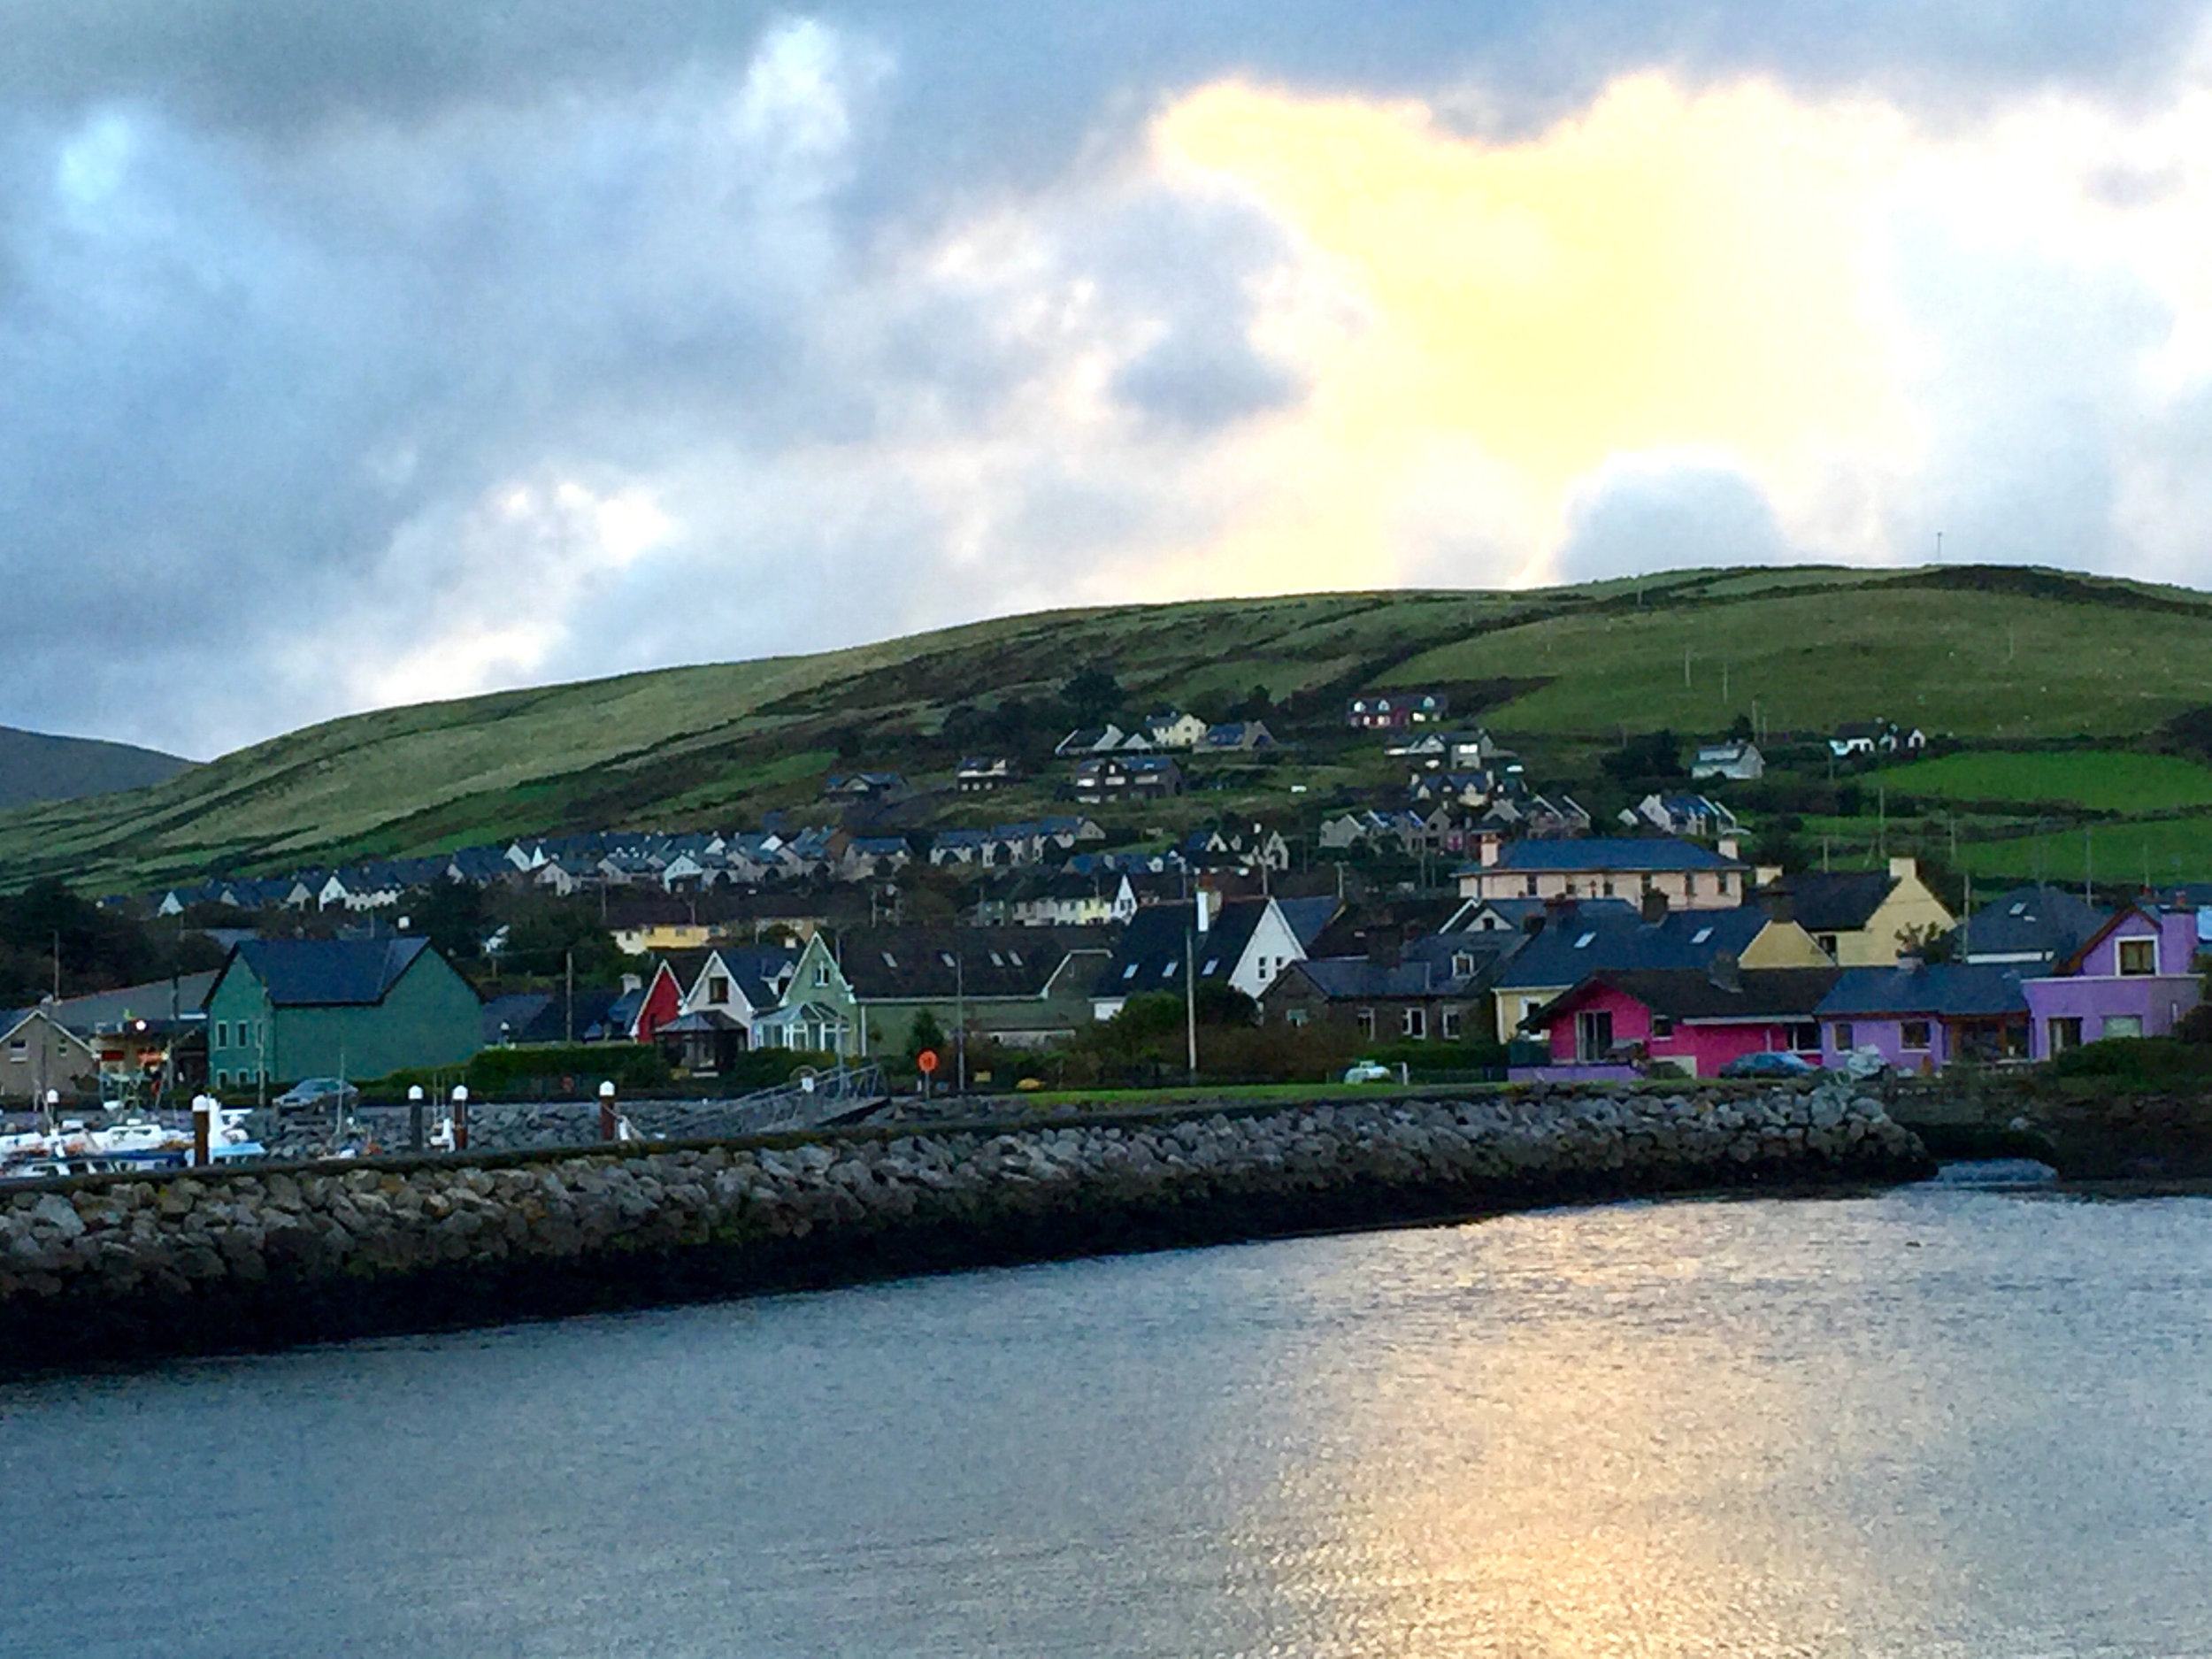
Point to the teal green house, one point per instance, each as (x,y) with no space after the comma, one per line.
(287,1009)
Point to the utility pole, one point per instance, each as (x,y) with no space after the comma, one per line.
(568,1017)
(1190,996)
(960,1021)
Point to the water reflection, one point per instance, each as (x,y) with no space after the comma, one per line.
(1944,1421)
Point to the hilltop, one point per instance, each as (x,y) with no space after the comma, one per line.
(34,766)
(2023,657)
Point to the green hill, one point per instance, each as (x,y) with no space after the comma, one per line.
(34,766)
(2018,655)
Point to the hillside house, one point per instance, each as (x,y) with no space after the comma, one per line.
(1171,728)
(43,1054)
(984,774)
(1104,777)
(1739,763)
(1091,740)
(1389,710)
(1237,737)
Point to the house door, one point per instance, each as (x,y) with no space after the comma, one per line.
(1594,1035)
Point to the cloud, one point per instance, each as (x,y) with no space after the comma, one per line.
(363,353)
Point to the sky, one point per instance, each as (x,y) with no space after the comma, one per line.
(354,356)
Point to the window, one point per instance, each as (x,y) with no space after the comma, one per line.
(1167,969)
(718,989)
(821,973)
(1607,886)
(222,1079)
(1213,962)
(222,1033)
(1529,886)
(2122,1024)
(890,961)
(945,957)
(1913,1034)
(1448,1024)
(1129,973)
(1594,1035)
(1462,963)
(1827,942)
(1293,1017)
(1700,936)
(1583,943)
(1366,1020)
(998,961)
(1804,1036)
(1414,1023)
(1014,957)
(2062,1034)
(1843,1038)
(20,1051)
(2138,956)
(1663,1024)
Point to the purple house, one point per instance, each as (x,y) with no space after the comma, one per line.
(2134,977)
(1920,1016)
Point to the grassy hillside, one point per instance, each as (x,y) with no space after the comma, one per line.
(1987,654)
(36,767)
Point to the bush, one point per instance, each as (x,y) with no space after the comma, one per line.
(2137,1060)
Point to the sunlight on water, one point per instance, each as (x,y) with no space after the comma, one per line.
(1948,1421)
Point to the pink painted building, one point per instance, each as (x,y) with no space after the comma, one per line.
(1684,1019)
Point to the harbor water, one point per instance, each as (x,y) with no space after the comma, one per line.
(1967,1417)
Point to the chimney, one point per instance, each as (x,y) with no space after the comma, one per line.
(1903,869)
(1766,875)
(1724,973)
(1208,902)
(1655,905)
(1730,847)
(1487,847)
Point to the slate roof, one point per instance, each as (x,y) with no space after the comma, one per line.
(1150,957)
(1343,977)
(1946,989)
(1612,935)
(929,964)
(1309,918)
(1623,852)
(2044,922)
(328,972)
(508,1019)
(1841,903)
(1689,993)
(106,1010)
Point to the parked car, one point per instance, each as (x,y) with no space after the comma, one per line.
(1367,1072)
(318,1091)
(1777,1063)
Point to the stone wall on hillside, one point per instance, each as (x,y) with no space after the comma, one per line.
(104,1268)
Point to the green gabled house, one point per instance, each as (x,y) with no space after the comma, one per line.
(287,1009)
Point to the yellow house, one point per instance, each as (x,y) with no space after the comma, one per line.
(652,937)
(1862,918)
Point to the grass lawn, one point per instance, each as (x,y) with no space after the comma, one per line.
(2103,780)
(2156,850)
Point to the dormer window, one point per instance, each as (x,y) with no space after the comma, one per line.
(2138,956)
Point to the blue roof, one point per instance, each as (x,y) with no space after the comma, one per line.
(1957,990)
(1639,852)
(323,972)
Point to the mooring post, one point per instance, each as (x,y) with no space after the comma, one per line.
(460,1118)
(606,1111)
(414,1117)
(202,1130)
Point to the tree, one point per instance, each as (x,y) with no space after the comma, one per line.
(451,913)
(925,1032)
(1648,761)
(1092,694)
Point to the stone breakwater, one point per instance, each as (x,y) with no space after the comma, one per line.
(114,1268)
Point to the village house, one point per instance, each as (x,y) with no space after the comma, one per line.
(282,1010)
(1691,877)
(1237,737)
(43,1056)
(1920,1016)
(1024,986)
(1241,943)
(1171,728)
(1683,1020)
(984,774)
(2136,976)
(1863,918)
(2028,928)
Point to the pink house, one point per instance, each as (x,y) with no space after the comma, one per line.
(2134,977)
(1683,1020)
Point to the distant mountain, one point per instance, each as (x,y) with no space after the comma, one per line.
(36,767)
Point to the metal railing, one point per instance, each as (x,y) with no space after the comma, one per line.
(808,1101)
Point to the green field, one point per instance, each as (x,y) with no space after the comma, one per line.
(2152,852)
(2101,780)
(2011,655)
